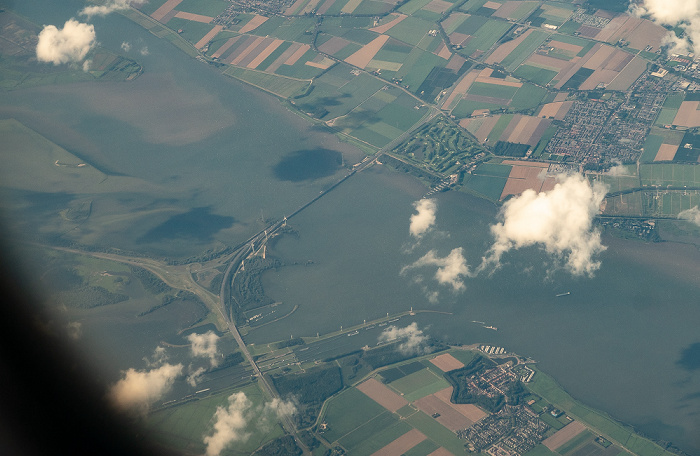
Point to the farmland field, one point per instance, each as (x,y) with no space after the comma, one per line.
(524,49)
(670,174)
(367,430)
(540,450)
(349,410)
(489,186)
(437,433)
(493,169)
(279,85)
(485,36)
(203,7)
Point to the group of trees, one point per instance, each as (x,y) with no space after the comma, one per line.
(309,389)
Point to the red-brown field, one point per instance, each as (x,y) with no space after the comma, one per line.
(688,114)
(666,152)
(402,444)
(470,411)
(398,17)
(506,48)
(382,395)
(194,17)
(252,24)
(565,434)
(164,9)
(556,110)
(365,55)
(447,362)
(209,36)
(445,415)
(524,176)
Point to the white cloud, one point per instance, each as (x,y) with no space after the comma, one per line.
(618,170)
(205,345)
(233,422)
(138,389)
(103,10)
(559,220)
(195,376)
(692,215)
(67,45)
(144,51)
(159,357)
(682,13)
(451,269)
(75,330)
(413,339)
(424,218)
(280,408)
(126,46)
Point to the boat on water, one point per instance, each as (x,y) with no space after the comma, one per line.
(354,333)
(563,294)
(491,327)
(480,322)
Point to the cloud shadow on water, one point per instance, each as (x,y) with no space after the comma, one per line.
(690,357)
(305,165)
(198,225)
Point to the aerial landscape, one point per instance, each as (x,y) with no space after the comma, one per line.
(364,227)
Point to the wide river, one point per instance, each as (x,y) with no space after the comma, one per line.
(212,158)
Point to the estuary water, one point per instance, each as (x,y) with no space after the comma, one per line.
(212,158)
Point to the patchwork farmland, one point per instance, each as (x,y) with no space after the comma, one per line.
(506,75)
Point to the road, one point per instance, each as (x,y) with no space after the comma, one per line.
(234,265)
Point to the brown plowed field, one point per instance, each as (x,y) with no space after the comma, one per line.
(448,417)
(563,435)
(402,444)
(382,395)
(447,362)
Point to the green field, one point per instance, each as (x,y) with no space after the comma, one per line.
(574,443)
(490,187)
(493,169)
(674,100)
(670,174)
(618,183)
(281,86)
(651,148)
(527,97)
(666,116)
(205,7)
(423,380)
(411,30)
(485,36)
(493,90)
(369,430)
(524,49)
(412,6)
(537,75)
(191,31)
(542,144)
(464,356)
(465,108)
(626,204)
(499,128)
(551,421)
(437,433)
(347,411)
(540,450)
(422,449)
